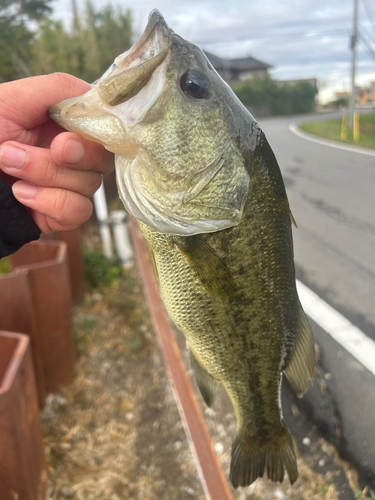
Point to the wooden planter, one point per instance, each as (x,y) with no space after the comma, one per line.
(75,261)
(23,471)
(36,300)
(47,266)
(17,315)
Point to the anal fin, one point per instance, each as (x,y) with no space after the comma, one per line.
(208,386)
(301,367)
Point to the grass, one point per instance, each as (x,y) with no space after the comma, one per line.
(332,130)
(365,494)
(99,271)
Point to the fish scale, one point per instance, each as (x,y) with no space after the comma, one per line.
(247,326)
(196,171)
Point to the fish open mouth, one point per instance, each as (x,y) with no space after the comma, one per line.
(132,70)
(124,94)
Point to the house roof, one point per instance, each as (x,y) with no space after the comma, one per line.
(241,64)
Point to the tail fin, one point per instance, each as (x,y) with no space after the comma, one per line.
(250,461)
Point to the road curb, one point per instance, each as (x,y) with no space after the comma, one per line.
(325,142)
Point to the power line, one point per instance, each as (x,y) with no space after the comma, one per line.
(366,44)
(338,32)
(368,50)
(368,11)
(367,40)
(366,34)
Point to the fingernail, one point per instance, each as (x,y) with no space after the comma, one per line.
(24,190)
(73,152)
(12,157)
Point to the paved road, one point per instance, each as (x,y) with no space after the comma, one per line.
(332,197)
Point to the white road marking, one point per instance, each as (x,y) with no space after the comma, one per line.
(341,329)
(325,142)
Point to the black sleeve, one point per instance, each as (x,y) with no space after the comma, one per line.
(17,227)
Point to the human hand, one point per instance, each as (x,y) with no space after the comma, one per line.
(59,170)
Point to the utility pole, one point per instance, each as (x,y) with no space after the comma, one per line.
(353,46)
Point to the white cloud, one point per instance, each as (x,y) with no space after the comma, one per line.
(301,38)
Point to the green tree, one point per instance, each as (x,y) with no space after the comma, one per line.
(303,97)
(16,36)
(88,48)
(22,10)
(267,96)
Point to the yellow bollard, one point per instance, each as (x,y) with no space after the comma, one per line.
(356,134)
(344,128)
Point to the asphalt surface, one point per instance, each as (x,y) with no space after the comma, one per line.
(332,197)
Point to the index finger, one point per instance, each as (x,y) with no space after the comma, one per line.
(72,150)
(49,89)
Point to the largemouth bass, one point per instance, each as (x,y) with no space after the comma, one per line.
(196,171)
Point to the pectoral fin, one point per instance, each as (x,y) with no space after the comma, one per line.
(207,384)
(301,367)
(153,262)
(207,266)
(293,220)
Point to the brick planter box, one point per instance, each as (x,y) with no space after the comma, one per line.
(36,300)
(23,471)
(17,315)
(75,261)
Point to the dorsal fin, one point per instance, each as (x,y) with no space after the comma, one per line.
(301,367)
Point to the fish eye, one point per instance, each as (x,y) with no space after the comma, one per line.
(195,83)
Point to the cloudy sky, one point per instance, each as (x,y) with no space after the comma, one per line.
(300,38)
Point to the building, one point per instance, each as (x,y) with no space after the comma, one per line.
(364,96)
(234,71)
(372,91)
(342,95)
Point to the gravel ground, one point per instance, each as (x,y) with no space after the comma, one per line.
(115,432)
(310,485)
